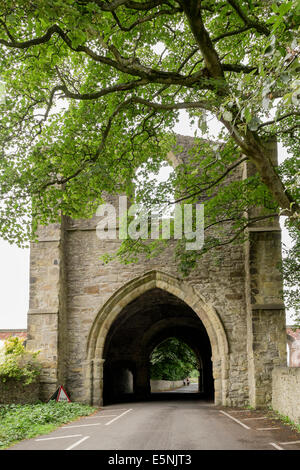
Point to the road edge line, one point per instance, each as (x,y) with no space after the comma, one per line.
(276,446)
(57,437)
(236,420)
(122,414)
(77,443)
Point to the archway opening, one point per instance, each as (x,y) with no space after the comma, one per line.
(119,378)
(175,368)
(143,324)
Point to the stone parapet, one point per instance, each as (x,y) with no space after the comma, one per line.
(286,392)
(164,385)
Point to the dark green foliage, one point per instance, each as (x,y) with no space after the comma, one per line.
(94,89)
(172,360)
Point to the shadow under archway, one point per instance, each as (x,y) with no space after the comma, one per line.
(142,324)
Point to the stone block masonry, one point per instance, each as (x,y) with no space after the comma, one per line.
(14,391)
(286,392)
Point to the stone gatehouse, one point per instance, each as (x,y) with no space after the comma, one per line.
(96,324)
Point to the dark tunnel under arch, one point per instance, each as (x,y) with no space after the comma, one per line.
(144,323)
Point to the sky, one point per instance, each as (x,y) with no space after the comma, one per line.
(14,261)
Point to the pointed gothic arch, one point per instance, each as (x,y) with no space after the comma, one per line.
(107,314)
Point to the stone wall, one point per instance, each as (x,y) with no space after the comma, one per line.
(286,392)
(162,385)
(14,391)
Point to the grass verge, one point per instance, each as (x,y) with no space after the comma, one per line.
(18,422)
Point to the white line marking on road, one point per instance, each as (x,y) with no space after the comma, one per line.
(276,446)
(291,442)
(77,443)
(122,414)
(102,416)
(265,429)
(58,437)
(263,417)
(234,419)
(83,425)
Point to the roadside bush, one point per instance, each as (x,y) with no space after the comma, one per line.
(18,363)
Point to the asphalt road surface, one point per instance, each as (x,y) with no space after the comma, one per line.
(174,424)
